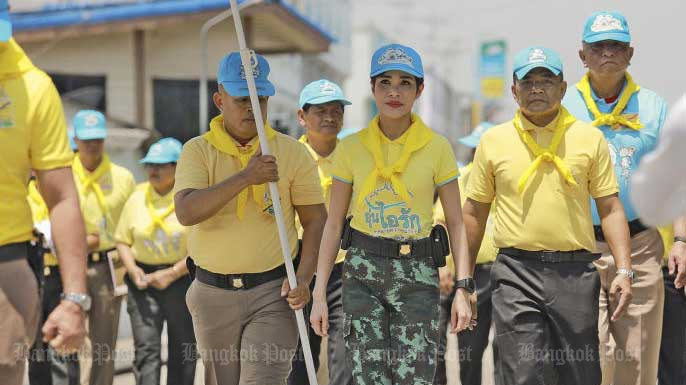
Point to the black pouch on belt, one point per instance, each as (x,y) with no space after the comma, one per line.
(35,254)
(347,234)
(190,264)
(440,245)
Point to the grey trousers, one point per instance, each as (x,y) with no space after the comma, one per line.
(546,322)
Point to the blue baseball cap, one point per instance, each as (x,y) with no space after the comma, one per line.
(396,57)
(231,75)
(89,125)
(606,25)
(322,91)
(536,57)
(5,24)
(472,140)
(165,150)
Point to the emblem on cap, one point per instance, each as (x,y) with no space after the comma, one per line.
(395,56)
(327,88)
(537,55)
(156,149)
(604,23)
(255,67)
(91,120)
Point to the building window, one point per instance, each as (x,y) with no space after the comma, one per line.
(176,110)
(81,91)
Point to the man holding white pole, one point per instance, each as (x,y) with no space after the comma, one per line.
(246,330)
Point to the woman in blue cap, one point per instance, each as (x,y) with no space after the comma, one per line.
(385,176)
(152,245)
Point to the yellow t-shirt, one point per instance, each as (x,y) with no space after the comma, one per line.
(226,245)
(117,186)
(41,219)
(151,246)
(487,252)
(33,135)
(384,213)
(550,214)
(667,234)
(324,168)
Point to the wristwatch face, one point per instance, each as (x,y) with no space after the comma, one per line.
(83,300)
(467,284)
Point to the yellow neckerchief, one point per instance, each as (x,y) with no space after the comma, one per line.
(157,220)
(38,202)
(13,60)
(89,180)
(417,136)
(325,180)
(564,121)
(615,117)
(223,142)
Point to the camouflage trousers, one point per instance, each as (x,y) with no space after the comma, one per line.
(391,318)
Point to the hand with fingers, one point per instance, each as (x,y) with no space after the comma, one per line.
(261,169)
(297,298)
(65,328)
(620,295)
(677,264)
(463,312)
(319,317)
(137,276)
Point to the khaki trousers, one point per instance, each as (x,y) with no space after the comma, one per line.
(630,346)
(19,314)
(97,360)
(244,336)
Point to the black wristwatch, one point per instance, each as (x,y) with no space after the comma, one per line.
(467,284)
(680,239)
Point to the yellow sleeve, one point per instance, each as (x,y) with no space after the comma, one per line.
(49,148)
(191,169)
(481,183)
(446,167)
(306,189)
(342,166)
(602,179)
(124,233)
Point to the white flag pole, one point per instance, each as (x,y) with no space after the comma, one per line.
(246,58)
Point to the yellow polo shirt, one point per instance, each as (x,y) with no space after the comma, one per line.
(152,246)
(226,245)
(117,186)
(324,169)
(40,214)
(384,213)
(33,135)
(550,214)
(487,252)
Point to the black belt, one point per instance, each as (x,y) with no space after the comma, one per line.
(147,269)
(552,256)
(390,248)
(239,281)
(635,227)
(99,256)
(14,251)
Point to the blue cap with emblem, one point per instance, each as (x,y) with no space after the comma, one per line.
(606,25)
(89,125)
(536,57)
(396,57)
(165,150)
(231,75)
(322,91)
(5,24)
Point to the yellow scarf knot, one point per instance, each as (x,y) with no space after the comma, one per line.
(90,180)
(325,180)
(614,119)
(418,136)
(155,219)
(222,141)
(564,121)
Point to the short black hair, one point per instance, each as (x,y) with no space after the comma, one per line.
(417,80)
